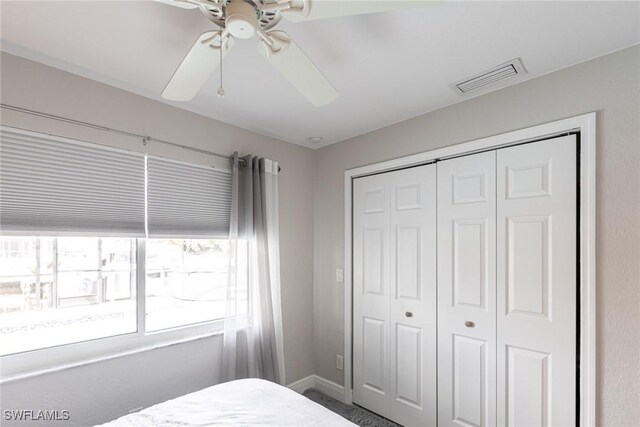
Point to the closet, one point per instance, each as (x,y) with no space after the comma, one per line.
(465,301)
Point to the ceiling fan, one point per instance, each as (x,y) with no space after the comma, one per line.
(243,19)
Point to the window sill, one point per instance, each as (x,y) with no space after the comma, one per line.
(16,367)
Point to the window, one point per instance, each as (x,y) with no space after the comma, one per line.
(185,281)
(58,290)
(187,248)
(153,256)
(61,290)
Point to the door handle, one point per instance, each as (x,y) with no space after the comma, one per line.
(408,314)
(469,324)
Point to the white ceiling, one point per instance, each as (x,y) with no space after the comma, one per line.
(388,67)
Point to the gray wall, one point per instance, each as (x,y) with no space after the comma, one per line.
(99,392)
(609,85)
(102,391)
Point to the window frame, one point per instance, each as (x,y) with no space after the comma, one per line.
(39,361)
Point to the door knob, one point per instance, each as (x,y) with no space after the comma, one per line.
(408,314)
(469,324)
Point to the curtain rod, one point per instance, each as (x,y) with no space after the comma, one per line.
(145,138)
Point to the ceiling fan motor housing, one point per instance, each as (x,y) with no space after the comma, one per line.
(242,19)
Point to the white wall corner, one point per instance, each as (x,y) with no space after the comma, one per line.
(303,384)
(323,385)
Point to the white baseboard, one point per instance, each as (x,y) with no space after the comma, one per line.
(323,385)
(329,388)
(302,385)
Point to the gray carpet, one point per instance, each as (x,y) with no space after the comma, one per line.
(353,413)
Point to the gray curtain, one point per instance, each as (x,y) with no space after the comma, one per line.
(253,323)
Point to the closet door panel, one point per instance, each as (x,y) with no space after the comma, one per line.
(373,341)
(537,282)
(469,380)
(466,290)
(413,296)
(371,293)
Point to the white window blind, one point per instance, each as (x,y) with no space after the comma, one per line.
(185,200)
(52,185)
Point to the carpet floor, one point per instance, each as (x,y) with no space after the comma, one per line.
(353,413)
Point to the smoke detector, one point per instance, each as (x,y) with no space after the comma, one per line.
(315,139)
(491,78)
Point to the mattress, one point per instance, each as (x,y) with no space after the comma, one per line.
(249,402)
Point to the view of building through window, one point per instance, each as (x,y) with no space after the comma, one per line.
(61,290)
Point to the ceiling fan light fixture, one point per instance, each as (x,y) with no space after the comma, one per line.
(242,20)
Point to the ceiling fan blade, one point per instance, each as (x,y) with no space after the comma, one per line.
(197,66)
(308,10)
(183,4)
(287,57)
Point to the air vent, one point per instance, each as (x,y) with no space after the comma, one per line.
(489,78)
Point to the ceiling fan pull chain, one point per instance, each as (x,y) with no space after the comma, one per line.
(221,88)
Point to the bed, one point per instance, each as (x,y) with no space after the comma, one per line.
(249,402)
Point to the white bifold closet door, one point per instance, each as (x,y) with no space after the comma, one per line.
(467,290)
(394,289)
(537,283)
(507,286)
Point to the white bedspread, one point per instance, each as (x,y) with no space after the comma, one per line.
(249,402)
